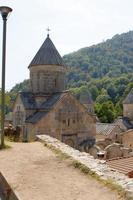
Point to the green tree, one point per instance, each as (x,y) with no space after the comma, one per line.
(105,112)
(102,98)
(94,92)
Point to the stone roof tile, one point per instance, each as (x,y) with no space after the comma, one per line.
(127,123)
(47,55)
(51,101)
(36,116)
(28,100)
(44,108)
(86,99)
(104,128)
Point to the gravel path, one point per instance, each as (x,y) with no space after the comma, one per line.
(36,173)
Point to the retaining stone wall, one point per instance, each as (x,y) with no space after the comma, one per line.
(6,193)
(98,166)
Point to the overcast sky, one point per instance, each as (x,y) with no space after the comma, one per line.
(74,24)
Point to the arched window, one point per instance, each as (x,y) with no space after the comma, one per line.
(68,122)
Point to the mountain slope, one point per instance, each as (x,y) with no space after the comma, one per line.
(111,58)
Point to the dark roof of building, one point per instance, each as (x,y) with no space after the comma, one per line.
(28,100)
(44,108)
(127,123)
(86,99)
(36,117)
(129,98)
(52,101)
(47,55)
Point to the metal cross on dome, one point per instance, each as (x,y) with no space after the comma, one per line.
(48,30)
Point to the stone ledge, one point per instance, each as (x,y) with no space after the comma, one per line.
(98,166)
(6,192)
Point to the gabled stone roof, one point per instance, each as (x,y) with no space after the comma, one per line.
(47,55)
(129,98)
(28,100)
(36,116)
(105,128)
(127,123)
(124,123)
(44,108)
(86,99)
(52,101)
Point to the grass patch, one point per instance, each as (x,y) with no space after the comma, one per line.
(12,139)
(5,147)
(84,169)
(59,153)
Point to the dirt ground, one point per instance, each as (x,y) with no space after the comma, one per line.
(36,173)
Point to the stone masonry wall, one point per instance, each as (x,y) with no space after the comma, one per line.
(47,79)
(127,139)
(128,111)
(5,190)
(68,121)
(98,166)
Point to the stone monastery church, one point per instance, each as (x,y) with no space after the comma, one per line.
(48,108)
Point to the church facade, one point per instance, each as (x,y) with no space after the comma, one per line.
(48,108)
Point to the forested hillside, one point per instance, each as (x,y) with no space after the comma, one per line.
(111,58)
(105,70)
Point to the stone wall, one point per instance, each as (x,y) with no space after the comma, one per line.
(6,192)
(69,122)
(19,113)
(112,135)
(128,111)
(47,78)
(127,139)
(98,166)
(113,151)
(90,107)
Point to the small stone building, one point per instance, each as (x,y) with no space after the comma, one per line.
(128,106)
(127,139)
(107,131)
(126,121)
(87,101)
(113,151)
(48,108)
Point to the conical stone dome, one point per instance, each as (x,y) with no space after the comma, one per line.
(47,55)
